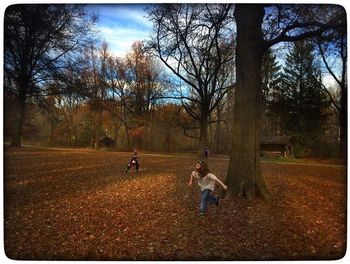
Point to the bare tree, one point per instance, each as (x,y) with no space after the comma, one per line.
(39,40)
(138,82)
(334,44)
(48,106)
(95,87)
(114,104)
(195,42)
(118,86)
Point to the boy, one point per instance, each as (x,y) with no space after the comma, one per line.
(133,162)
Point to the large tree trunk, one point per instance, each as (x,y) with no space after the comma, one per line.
(19,116)
(244,173)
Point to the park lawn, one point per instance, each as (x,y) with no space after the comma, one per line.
(80,205)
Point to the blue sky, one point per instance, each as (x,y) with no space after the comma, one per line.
(121,24)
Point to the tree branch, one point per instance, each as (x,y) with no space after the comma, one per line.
(190,112)
(326,63)
(283,37)
(190,136)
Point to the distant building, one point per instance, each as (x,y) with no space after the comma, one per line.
(276,145)
(106,142)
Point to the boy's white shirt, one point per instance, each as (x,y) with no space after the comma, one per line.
(206,182)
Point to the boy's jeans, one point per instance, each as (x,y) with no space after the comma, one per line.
(205,198)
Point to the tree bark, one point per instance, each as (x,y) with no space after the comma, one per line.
(244,173)
(19,116)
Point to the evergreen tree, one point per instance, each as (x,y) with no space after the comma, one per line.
(270,79)
(301,102)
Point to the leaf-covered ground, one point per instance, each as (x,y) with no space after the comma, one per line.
(80,205)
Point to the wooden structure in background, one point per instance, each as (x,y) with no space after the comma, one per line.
(106,142)
(276,145)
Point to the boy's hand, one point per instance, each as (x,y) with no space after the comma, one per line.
(190,184)
(225,187)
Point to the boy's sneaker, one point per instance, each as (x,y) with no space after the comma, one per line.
(201,214)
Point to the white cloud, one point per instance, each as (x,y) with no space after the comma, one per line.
(120,39)
(121,25)
(329,81)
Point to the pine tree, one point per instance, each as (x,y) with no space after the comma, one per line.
(301,102)
(270,79)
